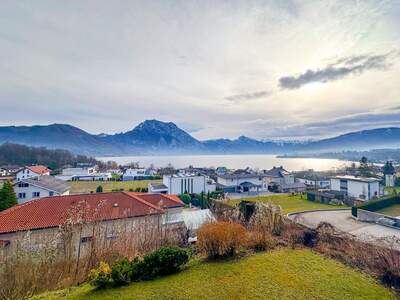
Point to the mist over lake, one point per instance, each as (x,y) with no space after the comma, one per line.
(261,161)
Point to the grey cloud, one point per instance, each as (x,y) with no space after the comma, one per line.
(248,96)
(341,125)
(341,68)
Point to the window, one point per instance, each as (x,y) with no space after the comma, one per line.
(4,243)
(21,195)
(51,193)
(181,186)
(23,184)
(86,239)
(35,194)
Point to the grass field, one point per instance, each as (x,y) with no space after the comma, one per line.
(80,187)
(289,203)
(392,190)
(280,274)
(393,210)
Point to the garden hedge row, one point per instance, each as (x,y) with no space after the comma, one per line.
(376,205)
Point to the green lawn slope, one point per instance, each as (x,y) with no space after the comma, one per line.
(84,187)
(280,274)
(289,203)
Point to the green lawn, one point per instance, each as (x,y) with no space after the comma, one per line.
(280,274)
(392,190)
(80,187)
(289,203)
(393,210)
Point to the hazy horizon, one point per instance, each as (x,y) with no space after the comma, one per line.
(289,70)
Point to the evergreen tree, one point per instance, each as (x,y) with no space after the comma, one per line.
(99,189)
(7,196)
(388,168)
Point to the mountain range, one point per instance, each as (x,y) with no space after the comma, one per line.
(153,137)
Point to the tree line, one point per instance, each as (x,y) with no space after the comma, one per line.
(15,154)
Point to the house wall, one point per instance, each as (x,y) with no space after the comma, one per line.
(389,180)
(30,190)
(357,189)
(190,184)
(257,180)
(131,234)
(26,173)
(319,183)
(134,174)
(78,171)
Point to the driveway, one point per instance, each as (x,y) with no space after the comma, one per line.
(343,221)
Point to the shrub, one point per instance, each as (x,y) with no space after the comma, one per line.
(121,272)
(166,260)
(221,239)
(185,198)
(101,276)
(260,241)
(99,189)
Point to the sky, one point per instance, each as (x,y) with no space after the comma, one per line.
(281,69)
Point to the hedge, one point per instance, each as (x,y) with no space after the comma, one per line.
(376,205)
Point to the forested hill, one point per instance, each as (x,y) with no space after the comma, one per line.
(14,154)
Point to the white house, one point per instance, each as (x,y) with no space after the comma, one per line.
(83,174)
(242,182)
(357,187)
(4,172)
(177,184)
(135,174)
(280,176)
(390,180)
(314,181)
(31,172)
(39,187)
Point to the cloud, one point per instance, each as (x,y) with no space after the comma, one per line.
(248,96)
(339,69)
(389,117)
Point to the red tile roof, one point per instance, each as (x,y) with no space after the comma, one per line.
(162,200)
(39,169)
(55,211)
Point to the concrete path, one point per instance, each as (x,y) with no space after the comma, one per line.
(343,221)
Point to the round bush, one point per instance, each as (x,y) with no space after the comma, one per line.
(221,239)
(101,276)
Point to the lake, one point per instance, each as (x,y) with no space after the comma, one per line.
(261,161)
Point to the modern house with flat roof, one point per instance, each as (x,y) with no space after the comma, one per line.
(188,183)
(363,188)
(84,173)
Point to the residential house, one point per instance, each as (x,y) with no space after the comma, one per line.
(283,181)
(358,187)
(221,171)
(187,183)
(39,187)
(389,173)
(242,182)
(279,176)
(157,188)
(135,174)
(125,217)
(10,169)
(313,180)
(83,173)
(32,171)
(4,172)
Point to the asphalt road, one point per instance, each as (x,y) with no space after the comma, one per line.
(342,221)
